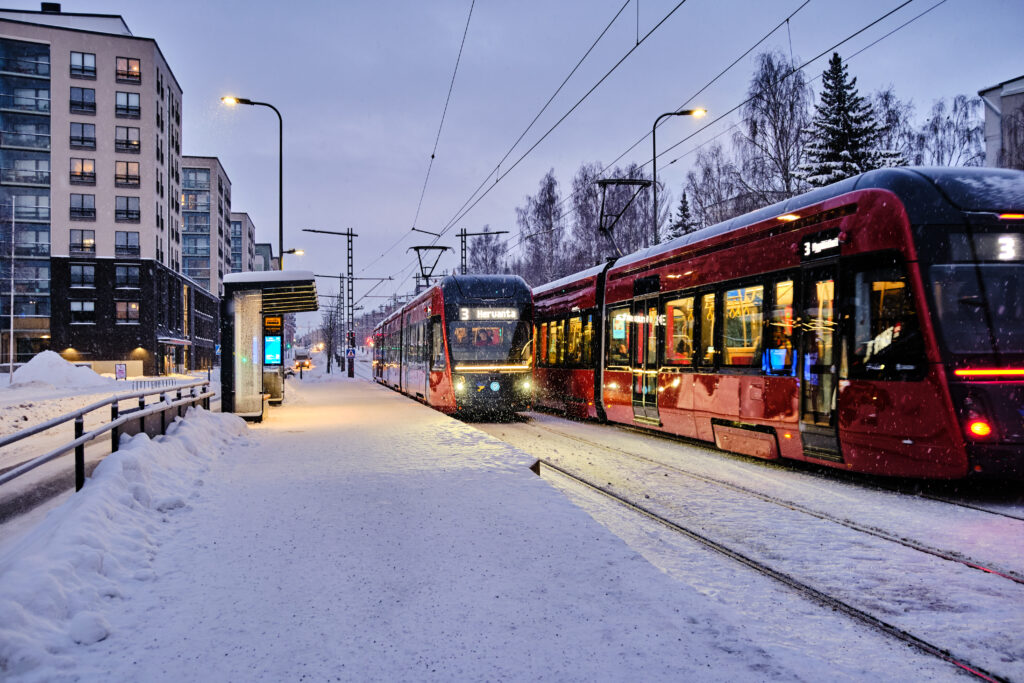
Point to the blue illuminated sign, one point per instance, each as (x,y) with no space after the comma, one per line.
(272,349)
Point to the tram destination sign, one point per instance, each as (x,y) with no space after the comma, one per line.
(470,313)
(820,245)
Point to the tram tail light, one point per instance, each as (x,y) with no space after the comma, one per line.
(979,428)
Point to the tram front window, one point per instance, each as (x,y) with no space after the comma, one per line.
(490,342)
(979,306)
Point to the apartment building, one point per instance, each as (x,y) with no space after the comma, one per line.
(243,242)
(206,218)
(1004,124)
(90,192)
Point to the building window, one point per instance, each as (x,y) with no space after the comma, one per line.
(127,209)
(126,173)
(127,311)
(83,275)
(83,171)
(83,135)
(129,70)
(83,311)
(128,105)
(83,101)
(127,276)
(83,242)
(83,207)
(127,139)
(126,243)
(83,65)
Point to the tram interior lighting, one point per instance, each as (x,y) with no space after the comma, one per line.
(789,217)
(1011,216)
(989,372)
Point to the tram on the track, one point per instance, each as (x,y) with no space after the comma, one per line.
(464,346)
(875,325)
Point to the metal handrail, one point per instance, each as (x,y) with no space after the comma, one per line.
(68,417)
(85,438)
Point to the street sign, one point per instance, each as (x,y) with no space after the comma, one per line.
(216,349)
(350,353)
(121,371)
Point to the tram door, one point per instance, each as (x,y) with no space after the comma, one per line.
(819,353)
(645,360)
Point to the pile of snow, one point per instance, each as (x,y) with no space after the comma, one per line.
(49,368)
(56,582)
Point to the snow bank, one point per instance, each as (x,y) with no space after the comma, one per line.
(49,368)
(56,582)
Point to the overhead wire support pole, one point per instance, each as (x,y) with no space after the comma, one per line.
(349,294)
(462,237)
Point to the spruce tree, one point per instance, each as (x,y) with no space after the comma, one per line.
(683,221)
(844,135)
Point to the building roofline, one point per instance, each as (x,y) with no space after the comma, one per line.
(202,156)
(1000,85)
(97,33)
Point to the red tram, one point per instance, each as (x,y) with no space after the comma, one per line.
(875,325)
(463,346)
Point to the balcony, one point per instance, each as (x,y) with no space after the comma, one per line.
(196,252)
(32,249)
(127,215)
(82,178)
(82,142)
(127,251)
(24,140)
(88,72)
(130,146)
(19,176)
(27,66)
(32,213)
(128,76)
(86,249)
(127,112)
(126,180)
(191,184)
(82,107)
(29,103)
(82,213)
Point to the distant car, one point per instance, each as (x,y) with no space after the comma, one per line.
(302,364)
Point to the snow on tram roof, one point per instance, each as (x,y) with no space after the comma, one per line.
(269,276)
(568,279)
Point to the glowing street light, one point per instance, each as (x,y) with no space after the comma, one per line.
(695,113)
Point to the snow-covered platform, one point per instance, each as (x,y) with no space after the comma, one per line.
(353,535)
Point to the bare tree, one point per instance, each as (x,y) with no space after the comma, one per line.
(542,230)
(954,135)
(587,247)
(1012,153)
(897,131)
(713,187)
(330,326)
(771,140)
(487,253)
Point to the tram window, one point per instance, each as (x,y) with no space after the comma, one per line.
(542,344)
(553,342)
(679,319)
(588,341)
(706,350)
(618,337)
(437,361)
(777,358)
(574,341)
(886,338)
(744,323)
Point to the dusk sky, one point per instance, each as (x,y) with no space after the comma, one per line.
(362,86)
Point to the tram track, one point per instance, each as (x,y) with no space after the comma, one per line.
(793,583)
(950,556)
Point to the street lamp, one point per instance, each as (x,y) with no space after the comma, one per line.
(696,113)
(232,101)
(297,252)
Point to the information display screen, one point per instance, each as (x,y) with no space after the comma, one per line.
(272,349)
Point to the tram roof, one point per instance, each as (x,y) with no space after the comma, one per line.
(930,195)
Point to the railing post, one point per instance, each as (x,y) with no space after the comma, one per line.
(206,401)
(163,414)
(142,420)
(115,437)
(79,454)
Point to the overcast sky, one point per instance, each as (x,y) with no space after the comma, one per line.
(362,86)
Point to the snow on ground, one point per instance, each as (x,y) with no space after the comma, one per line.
(356,534)
(49,368)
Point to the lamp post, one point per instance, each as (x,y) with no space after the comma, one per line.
(232,101)
(696,113)
(297,252)
(10,340)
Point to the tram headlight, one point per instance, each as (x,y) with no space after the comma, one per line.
(525,385)
(460,385)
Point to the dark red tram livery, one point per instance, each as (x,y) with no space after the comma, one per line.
(462,346)
(875,325)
